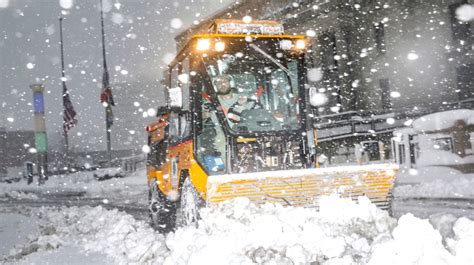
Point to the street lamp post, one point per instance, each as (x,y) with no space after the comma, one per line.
(106,90)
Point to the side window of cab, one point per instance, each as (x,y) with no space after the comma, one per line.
(179,126)
(173,125)
(158,142)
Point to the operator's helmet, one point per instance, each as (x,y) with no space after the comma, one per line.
(222,84)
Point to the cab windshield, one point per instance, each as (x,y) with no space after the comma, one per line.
(256,86)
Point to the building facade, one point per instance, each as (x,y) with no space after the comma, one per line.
(377,64)
(15,150)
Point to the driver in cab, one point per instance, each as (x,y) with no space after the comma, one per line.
(232,103)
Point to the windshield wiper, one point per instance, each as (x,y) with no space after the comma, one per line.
(275,61)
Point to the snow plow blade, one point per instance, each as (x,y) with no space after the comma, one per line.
(303,187)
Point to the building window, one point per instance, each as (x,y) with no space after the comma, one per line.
(329,67)
(461,31)
(443,144)
(465,81)
(329,51)
(379,38)
(385,93)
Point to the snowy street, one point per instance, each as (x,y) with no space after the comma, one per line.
(81,189)
(41,200)
(236,232)
(73,225)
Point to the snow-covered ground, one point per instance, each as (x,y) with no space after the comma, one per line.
(132,188)
(238,232)
(433,190)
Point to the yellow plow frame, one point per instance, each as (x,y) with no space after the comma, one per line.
(303,187)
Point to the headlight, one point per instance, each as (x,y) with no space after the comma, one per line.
(285,44)
(300,44)
(219,46)
(203,44)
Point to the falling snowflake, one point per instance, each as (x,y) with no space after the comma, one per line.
(247,19)
(66,4)
(146,149)
(176,23)
(310,33)
(315,74)
(465,13)
(412,56)
(117,18)
(151,112)
(390,120)
(395,94)
(318,99)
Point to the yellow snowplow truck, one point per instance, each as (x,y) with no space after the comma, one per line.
(235,125)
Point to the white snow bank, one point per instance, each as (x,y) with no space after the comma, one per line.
(435,182)
(343,232)
(443,158)
(443,120)
(131,188)
(239,232)
(114,233)
(414,241)
(12,227)
(70,255)
(4,193)
(463,241)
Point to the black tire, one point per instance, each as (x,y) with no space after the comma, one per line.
(162,212)
(190,203)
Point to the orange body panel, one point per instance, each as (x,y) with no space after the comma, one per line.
(164,175)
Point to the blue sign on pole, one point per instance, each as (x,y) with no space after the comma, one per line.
(38,102)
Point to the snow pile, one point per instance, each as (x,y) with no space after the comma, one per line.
(114,233)
(17,195)
(342,232)
(238,232)
(415,241)
(436,182)
(439,188)
(463,241)
(11,226)
(441,157)
(443,120)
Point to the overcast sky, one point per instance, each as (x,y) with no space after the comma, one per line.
(139,37)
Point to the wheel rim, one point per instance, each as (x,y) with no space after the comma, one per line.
(153,204)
